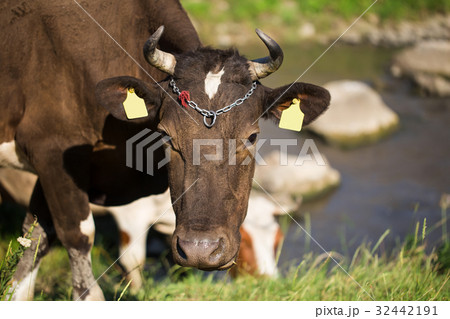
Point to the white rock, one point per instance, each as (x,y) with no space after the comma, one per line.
(427,64)
(302,177)
(356,115)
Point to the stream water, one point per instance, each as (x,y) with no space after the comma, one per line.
(391,184)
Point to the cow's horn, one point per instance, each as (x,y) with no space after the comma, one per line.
(263,67)
(159,59)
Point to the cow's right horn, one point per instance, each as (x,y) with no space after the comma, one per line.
(159,59)
(262,67)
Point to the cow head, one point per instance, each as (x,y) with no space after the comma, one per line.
(210,196)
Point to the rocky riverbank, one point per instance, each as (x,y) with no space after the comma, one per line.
(427,64)
(367,30)
(399,34)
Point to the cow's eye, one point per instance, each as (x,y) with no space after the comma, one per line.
(165,138)
(252,138)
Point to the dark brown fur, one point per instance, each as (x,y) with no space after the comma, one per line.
(213,195)
(52,57)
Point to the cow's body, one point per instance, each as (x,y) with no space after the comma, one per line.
(53,54)
(52,58)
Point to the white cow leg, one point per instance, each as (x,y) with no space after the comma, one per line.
(133,254)
(84,284)
(24,278)
(23,290)
(85,287)
(133,239)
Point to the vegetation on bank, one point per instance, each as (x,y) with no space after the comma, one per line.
(242,16)
(10,260)
(408,275)
(292,10)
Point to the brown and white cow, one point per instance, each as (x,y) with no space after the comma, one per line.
(52,123)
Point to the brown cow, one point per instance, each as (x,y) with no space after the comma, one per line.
(53,55)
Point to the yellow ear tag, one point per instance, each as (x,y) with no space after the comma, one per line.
(134,106)
(292,117)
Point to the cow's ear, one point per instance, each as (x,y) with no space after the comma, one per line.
(112,93)
(314,100)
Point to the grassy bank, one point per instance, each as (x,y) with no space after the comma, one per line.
(409,276)
(286,19)
(290,11)
(407,272)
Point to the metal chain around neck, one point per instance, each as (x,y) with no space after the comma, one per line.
(213,114)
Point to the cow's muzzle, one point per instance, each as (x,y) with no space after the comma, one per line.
(203,251)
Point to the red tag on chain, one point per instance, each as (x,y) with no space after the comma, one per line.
(184,98)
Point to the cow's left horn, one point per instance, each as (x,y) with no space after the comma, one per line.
(263,67)
(159,59)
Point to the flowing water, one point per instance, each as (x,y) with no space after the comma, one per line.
(391,184)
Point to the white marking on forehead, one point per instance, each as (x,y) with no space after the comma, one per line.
(212,82)
(87,227)
(12,156)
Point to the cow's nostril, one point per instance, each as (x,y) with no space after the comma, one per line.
(204,252)
(180,250)
(218,252)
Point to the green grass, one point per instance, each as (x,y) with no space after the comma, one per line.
(411,277)
(385,9)
(12,255)
(408,274)
(409,271)
(290,10)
